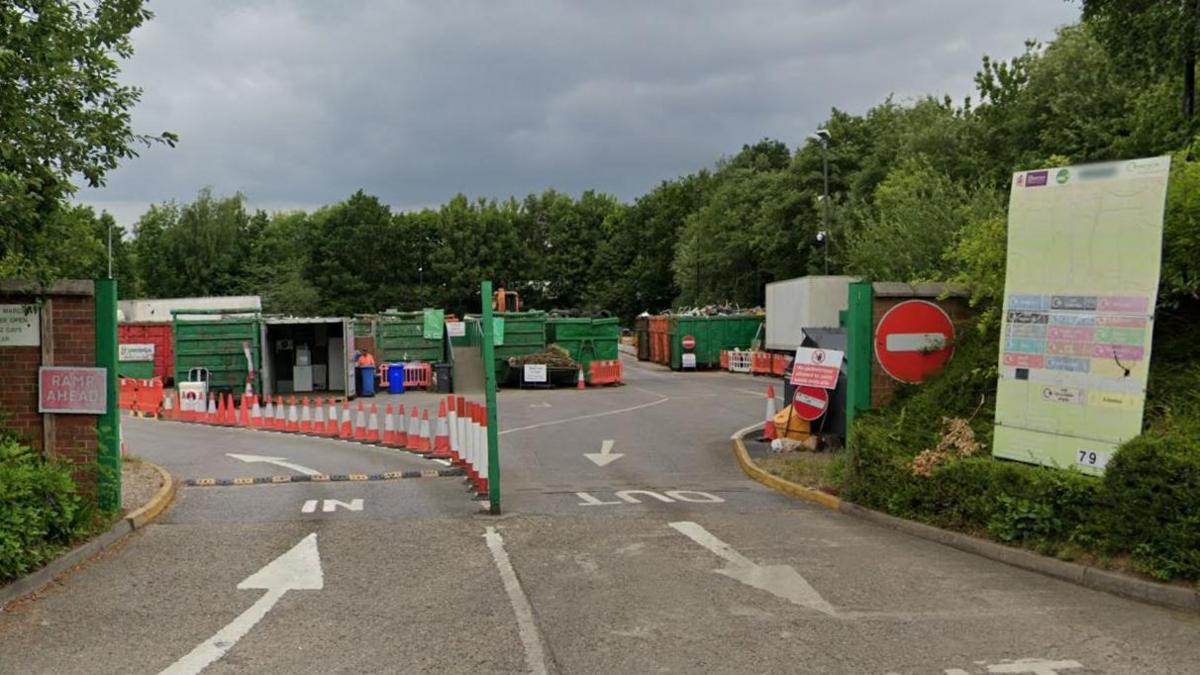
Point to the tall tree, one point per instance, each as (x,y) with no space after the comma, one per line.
(1153,36)
(63,112)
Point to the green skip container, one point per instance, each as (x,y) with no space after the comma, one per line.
(712,334)
(587,340)
(400,336)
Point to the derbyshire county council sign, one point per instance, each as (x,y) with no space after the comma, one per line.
(65,389)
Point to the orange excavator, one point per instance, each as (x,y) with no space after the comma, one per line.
(506,301)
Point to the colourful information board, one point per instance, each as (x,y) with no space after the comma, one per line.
(1084,250)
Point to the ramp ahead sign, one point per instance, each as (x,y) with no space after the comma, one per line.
(64,389)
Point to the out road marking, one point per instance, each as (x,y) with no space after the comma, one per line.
(551,423)
(782,581)
(535,655)
(331,505)
(668,497)
(298,569)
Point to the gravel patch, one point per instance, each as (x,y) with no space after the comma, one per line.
(139,483)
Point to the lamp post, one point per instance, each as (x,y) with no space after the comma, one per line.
(822,137)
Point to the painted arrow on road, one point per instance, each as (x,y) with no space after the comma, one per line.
(606,456)
(299,569)
(782,581)
(277,461)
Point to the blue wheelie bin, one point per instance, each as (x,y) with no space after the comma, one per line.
(395,378)
(366,380)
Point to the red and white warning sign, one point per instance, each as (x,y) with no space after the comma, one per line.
(816,367)
(810,402)
(913,340)
(689,342)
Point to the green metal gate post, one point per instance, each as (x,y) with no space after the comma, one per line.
(108,425)
(859,352)
(489,379)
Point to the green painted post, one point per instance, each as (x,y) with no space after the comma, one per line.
(489,379)
(858,323)
(108,425)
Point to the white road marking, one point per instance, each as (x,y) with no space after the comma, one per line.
(585,417)
(298,569)
(761,394)
(1034,666)
(779,580)
(606,456)
(535,655)
(627,497)
(331,505)
(277,461)
(310,506)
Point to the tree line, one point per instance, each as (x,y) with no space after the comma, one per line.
(917,191)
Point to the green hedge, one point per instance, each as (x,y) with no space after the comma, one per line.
(41,513)
(1145,509)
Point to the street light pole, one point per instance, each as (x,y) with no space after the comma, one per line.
(822,137)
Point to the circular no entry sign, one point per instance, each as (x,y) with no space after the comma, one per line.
(810,402)
(913,340)
(689,342)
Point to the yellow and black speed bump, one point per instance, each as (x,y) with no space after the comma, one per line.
(335,478)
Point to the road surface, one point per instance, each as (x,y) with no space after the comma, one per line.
(665,559)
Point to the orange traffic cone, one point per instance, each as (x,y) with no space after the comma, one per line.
(580,384)
(220,409)
(318,423)
(280,423)
(413,439)
(401,438)
(360,423)
(441,439)
(346,430)
(424,442)
(255,413)
(304,425)
(293,418)
(331,420)
(389,430)
(230,411)
(244,412)
(268,414)
(769,426)
(372,435)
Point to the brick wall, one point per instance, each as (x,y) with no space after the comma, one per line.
(888,295)
(68,338)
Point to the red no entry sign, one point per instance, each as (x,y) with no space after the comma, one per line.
(689,342)
(810,402)
(913,340)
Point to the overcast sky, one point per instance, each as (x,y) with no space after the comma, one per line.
(297,103)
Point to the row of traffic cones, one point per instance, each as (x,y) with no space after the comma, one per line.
(457,434)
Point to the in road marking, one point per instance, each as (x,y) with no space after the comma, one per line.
(781,581)
(585,417)
(298,569)
(535,656)
(331,505)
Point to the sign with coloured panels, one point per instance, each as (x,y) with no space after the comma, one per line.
(816,367)
(1084,250)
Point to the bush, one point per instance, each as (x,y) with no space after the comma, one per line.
(1152,488)
(1146,508)
(40,511)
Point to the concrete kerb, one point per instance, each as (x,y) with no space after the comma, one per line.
(135,520)
(1176,597)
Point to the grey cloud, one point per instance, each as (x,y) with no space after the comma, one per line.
(299,103)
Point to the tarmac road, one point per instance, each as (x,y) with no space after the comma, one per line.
(666,559)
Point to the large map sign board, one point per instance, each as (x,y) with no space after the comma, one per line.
(1084,249)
